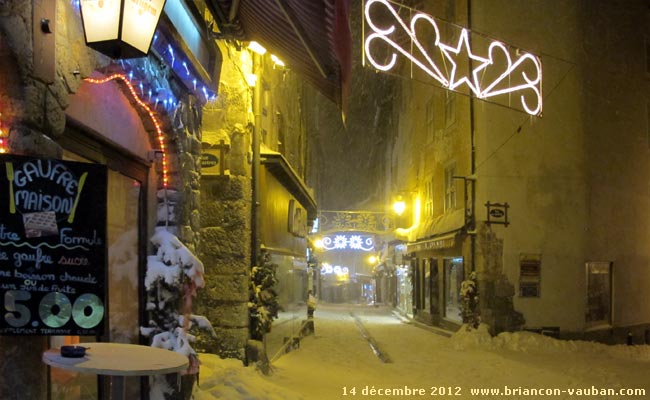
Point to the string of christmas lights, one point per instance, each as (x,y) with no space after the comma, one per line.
(3,138)
(183,69)
(145,106)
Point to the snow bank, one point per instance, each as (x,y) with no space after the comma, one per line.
(229,379)
(529,342)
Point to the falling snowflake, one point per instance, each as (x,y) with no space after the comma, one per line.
(355,242)
(340,242)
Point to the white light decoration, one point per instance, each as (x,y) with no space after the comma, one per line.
(120,28)
(257,48)
(520,74)
(340,242)
(452,54)
(277,61)
(345,242)
(355,242)
(337,270)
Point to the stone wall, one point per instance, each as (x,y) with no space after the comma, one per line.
(226,214)
(494,289)
(33,112)
(225,251)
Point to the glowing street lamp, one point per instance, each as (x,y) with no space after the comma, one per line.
(399,206)
(120,28)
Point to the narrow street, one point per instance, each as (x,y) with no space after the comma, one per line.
(338,362)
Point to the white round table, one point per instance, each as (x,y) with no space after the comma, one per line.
(119,360)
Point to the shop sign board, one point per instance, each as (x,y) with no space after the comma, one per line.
(52,247)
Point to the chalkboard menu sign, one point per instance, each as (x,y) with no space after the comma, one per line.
(52,247)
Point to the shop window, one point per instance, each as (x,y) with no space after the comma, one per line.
(426,265)
(418,277)
(599,294)
(428,198)
(454,276)
(433,283)
(416,284)
(404,289)
(450,108)
(431,128)
(125,271)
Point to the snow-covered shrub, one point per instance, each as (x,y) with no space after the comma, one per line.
(469,294)
(263,299)
(172,277)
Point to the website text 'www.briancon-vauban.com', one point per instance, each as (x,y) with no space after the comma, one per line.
(550,392)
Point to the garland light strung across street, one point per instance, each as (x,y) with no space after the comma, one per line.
(492,74)
(345,242)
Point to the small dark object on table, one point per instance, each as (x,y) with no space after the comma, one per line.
(73,351)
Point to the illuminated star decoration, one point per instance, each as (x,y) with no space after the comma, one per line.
(522,66)
(452,54)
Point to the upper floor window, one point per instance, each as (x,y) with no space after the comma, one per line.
(430,119)
(450,187)
(450,108)
(428,198)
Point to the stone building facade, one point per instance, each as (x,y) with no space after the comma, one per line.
(212,170)
(237,223)
(570,258)
(61,100)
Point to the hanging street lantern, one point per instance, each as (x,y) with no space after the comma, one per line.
(120,28)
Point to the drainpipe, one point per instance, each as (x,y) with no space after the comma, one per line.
(472,222)
(255,170)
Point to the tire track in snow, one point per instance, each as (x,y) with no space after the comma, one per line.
(383,356)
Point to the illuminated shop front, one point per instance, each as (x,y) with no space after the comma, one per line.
(404,290)
(286,211)
(111,130)
(454,276)
(438,268)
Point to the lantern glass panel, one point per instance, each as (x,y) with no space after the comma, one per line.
(101,19)
(140,20)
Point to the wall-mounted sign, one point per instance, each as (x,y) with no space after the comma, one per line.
(210,163)
(52,247)
(397,35)
(297,220)
(497,213)
(214,160)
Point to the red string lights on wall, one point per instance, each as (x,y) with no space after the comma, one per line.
(145,106)
(4,136)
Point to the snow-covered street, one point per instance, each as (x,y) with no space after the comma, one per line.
(338,363)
